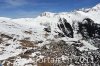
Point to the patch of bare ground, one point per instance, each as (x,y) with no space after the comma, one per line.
(28,32)
(57,49)
(26,43)
(26,54)
(46,62)
(1,40)
(9,61)
(6,36)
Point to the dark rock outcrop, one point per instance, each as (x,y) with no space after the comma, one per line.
(89,29)
(65,27)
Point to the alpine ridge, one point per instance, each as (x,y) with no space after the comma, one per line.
(66,35)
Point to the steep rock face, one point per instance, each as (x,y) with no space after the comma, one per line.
(86,28)
(89,29)
(65,27)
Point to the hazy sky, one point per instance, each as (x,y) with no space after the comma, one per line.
(32,8)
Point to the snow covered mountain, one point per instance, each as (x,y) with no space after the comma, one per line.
(56,35)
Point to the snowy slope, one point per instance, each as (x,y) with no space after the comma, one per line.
(25,38)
